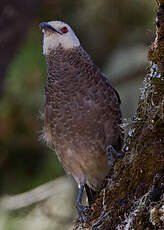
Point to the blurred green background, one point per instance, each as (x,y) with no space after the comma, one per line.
(115,33)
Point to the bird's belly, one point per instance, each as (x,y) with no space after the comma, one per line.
(79,135)
(84,165)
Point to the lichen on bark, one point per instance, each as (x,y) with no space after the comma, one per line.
(133,194)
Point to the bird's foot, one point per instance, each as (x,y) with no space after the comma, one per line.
(113,155)
(82,211)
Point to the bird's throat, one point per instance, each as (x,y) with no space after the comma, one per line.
(68,64)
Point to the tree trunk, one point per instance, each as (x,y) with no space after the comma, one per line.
(15,19)
(133,197)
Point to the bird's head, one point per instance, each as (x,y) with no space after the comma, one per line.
(58,33)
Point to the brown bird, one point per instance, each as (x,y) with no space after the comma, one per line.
(81,111)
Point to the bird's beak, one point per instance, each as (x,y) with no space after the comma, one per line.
(46,26)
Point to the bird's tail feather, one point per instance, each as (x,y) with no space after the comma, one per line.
(91,194)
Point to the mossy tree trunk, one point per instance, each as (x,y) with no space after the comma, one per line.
(133,197)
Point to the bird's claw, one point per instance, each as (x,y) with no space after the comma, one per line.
(82,211)
(113,155)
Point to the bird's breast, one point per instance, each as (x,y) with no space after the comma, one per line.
(77,111)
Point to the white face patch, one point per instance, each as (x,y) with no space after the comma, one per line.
(53,39)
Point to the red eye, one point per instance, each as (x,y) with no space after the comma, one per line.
(64,30)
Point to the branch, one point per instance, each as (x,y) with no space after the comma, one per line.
(42,192)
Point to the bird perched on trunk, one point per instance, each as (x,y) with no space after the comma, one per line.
(81,111)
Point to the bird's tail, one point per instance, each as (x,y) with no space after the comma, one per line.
(91,194)
(118,145)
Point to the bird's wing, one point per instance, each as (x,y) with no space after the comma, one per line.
(117,94)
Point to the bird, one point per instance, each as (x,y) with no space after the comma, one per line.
(81,112)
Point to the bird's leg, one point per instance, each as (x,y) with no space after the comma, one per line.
(113,155)
(80,207)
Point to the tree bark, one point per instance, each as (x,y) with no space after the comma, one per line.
(133,196)
(15,19)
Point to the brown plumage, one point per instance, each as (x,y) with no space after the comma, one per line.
(82,114)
